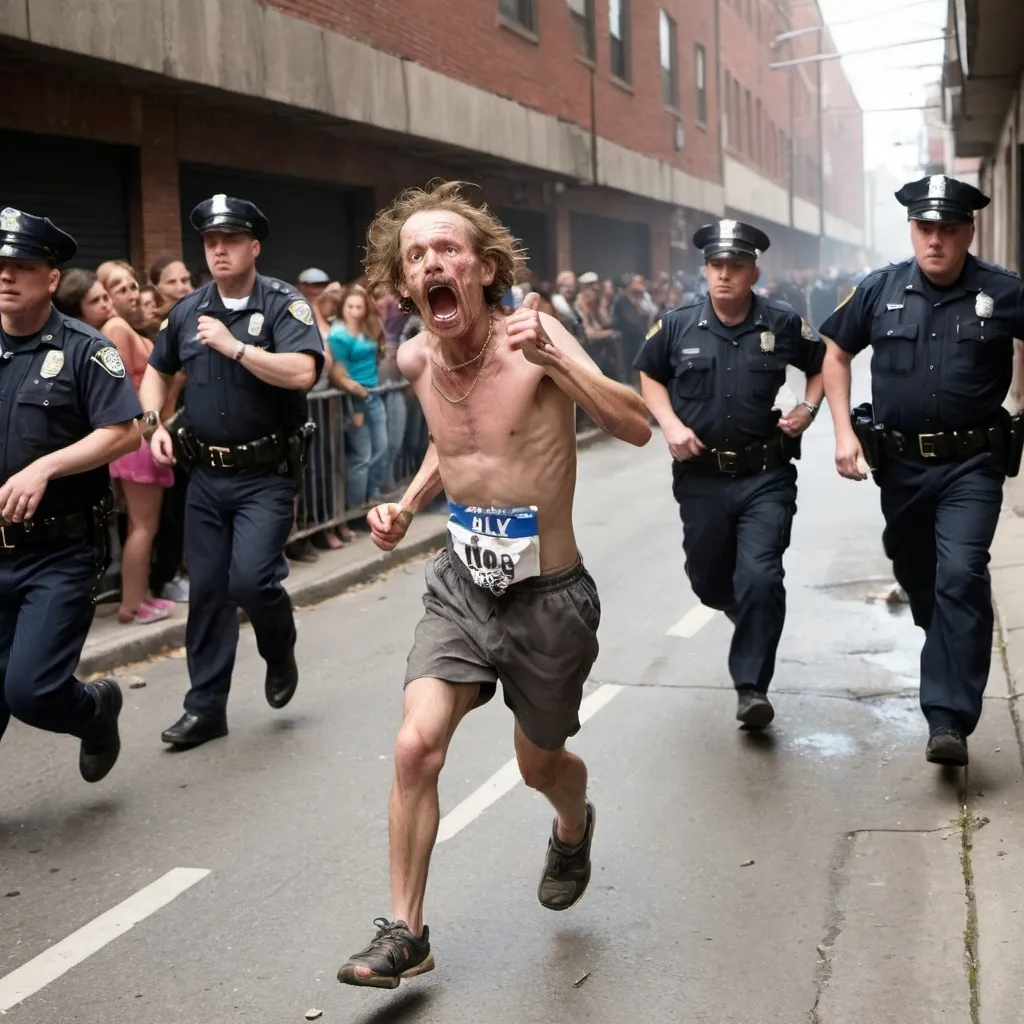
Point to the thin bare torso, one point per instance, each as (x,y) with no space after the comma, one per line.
(511,443)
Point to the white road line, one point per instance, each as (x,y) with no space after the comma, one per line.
(507,776)
(692,622)
(57,960)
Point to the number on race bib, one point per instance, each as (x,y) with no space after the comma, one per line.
(499,546)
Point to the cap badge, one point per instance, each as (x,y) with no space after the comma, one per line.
(255,324)
(52,364)
(984,306)
(10,220)
(937,186)
(767,341)
(219,204)
(727,229)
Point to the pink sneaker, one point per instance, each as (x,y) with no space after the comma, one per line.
(161,603)
(147,614)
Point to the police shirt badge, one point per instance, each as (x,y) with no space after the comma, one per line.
(110,359)
(52,364)
(255,324)
(654,330)
(9,220)
(806,331)
(984,306)
(767,341)
(301,311)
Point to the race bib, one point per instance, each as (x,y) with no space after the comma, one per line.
(499,546)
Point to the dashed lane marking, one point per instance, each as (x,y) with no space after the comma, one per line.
(507,776)
(39,972)
(692,622)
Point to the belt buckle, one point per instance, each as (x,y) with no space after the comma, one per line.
(926,445)
(221,461)
(728,462)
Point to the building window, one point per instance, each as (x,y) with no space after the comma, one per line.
(618,27)
(727,91)
(669,61)
(700,71)
(581,13)
(758,120)
(749,113)
(737,140)
(522,12)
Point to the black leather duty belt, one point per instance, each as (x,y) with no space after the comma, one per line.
(754,458)
(265,451)
(947,444)
(73,527)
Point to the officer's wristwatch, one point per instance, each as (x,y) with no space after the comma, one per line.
(150,421)
(812,408)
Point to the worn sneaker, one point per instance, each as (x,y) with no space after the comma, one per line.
(567,868)
(946,746)
(394,953)
(753,709)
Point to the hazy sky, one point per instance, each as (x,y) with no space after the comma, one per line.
(887,78)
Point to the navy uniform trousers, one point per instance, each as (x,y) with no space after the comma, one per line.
(735,532)
(236,526)
(46,610)
(940,519)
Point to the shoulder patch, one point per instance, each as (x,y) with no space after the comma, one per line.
(301,311)
(655,327)
(806,331)
(110,359)
(847,299)
(163,323)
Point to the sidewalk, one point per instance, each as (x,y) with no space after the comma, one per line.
(111,644)
(994,855)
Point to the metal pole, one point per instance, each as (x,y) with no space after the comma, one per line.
(821,173)
(853,53)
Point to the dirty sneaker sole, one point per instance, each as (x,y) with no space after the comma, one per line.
(756,716)
(347,975)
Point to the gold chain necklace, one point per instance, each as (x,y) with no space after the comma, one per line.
(469,362)
(479,374)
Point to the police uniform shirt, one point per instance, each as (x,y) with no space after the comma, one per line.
(224,402)
(721,381)
(56,387)
(942,358)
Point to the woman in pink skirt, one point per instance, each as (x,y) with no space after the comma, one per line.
(88,297)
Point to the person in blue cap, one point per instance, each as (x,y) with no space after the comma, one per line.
(69,411)
(941,327)
(710,372)
(250,349)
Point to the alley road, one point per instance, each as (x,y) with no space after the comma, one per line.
(809,875)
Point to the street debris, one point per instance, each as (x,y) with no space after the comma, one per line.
(582,978)
(13,892)
(314,1014)
(747,864)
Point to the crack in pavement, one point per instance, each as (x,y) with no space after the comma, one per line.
(856,698)
(835,919)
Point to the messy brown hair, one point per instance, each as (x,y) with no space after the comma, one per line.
(371,322)
(490,238)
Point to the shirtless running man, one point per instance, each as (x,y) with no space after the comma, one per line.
(509,598)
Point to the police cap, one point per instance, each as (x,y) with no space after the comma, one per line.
(941,198)
(224,213)
(25,237)
(731,238)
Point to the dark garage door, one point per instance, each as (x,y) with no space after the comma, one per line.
(610,247)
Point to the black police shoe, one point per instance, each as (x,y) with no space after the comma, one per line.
(282,680)
(101,746)
(946,746)
(753,709)
(191,729)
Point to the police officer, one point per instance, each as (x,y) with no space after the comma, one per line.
(709,373)
(66,410)
(250,350)
(941,328)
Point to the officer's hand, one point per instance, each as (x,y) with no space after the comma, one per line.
(683,443)
(796,421)
(850,458)
(525,332)
(388,525)
(21,494)
(161,447)
(215,335)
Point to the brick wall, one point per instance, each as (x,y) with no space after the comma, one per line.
(469,42)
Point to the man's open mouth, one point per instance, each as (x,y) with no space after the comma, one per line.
(444,304)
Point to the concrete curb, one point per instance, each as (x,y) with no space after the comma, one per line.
(161,638)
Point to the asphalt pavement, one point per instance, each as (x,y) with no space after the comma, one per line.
(814,874)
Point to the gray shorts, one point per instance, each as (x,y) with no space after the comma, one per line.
(539,638)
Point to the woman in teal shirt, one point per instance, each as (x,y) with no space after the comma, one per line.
(352,343)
